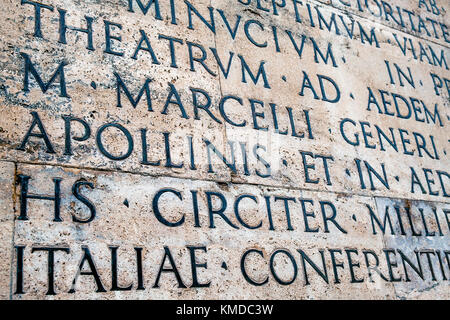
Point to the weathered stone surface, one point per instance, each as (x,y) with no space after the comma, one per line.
(135,224)
(224,149)
(287,74)
(7,226)
(421,225)
(426,20)
(288,70)
(126,218)
(99,106)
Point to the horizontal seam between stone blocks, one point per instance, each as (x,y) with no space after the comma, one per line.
(143,174)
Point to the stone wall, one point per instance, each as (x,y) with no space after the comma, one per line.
(233,149)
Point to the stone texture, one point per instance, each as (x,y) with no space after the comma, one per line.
(353,79)
(7,226)
(429,223)
(209,147)
(387,14)
(126,219)
(98,106)
(135,225)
